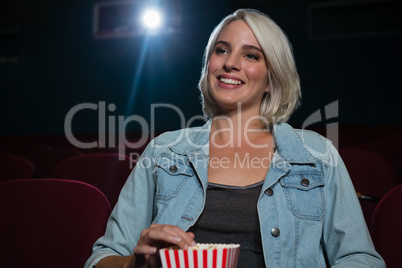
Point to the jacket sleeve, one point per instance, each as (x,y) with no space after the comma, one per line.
(132,213)
(346,238)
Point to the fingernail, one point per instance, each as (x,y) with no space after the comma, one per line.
(193,244)
(152,250)
(176,240)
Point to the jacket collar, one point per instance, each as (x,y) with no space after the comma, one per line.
(194,140)
(289,145)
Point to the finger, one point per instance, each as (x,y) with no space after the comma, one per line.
(191,234)
(181,238)
(145,250)
(158,233)
(160,236)
(186,237)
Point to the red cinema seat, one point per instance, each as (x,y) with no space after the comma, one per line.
(50,222)
(15,167)
(386,227)
(106,171)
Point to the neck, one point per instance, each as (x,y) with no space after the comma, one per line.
(235,128)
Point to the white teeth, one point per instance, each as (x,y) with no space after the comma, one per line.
(230,81)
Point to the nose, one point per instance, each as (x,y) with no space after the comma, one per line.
(231,63)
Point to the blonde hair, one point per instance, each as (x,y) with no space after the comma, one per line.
(284,83)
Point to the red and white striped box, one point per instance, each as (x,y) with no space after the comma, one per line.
(201,256)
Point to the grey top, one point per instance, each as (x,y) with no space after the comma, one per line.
(230,216)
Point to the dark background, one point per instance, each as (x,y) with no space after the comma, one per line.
(50,61)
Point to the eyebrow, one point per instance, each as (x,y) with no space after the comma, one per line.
(243,47)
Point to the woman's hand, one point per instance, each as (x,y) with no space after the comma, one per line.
(155,237)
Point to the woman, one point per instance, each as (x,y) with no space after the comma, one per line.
(246,176)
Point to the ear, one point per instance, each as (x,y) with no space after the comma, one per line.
(267,88)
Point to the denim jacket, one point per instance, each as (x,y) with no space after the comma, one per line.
(307,207)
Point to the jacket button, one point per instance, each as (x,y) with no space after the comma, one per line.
(269,192)
(305,182)
(275,232)
(173,169)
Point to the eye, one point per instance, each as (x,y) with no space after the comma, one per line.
(220,50)
(252,56)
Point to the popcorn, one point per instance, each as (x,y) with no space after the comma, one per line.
(201,256)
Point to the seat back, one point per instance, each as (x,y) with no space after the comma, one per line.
(106,171)
(386,227)
(49,222)
(370,172)
(45,161)
(390,147)
(372,177)
(15,167)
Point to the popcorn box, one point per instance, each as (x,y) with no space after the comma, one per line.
(201,256)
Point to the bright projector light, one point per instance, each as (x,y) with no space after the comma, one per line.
(152,19)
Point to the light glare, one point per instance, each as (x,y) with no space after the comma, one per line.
(152,18)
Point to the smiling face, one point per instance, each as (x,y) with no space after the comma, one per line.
(237,71)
